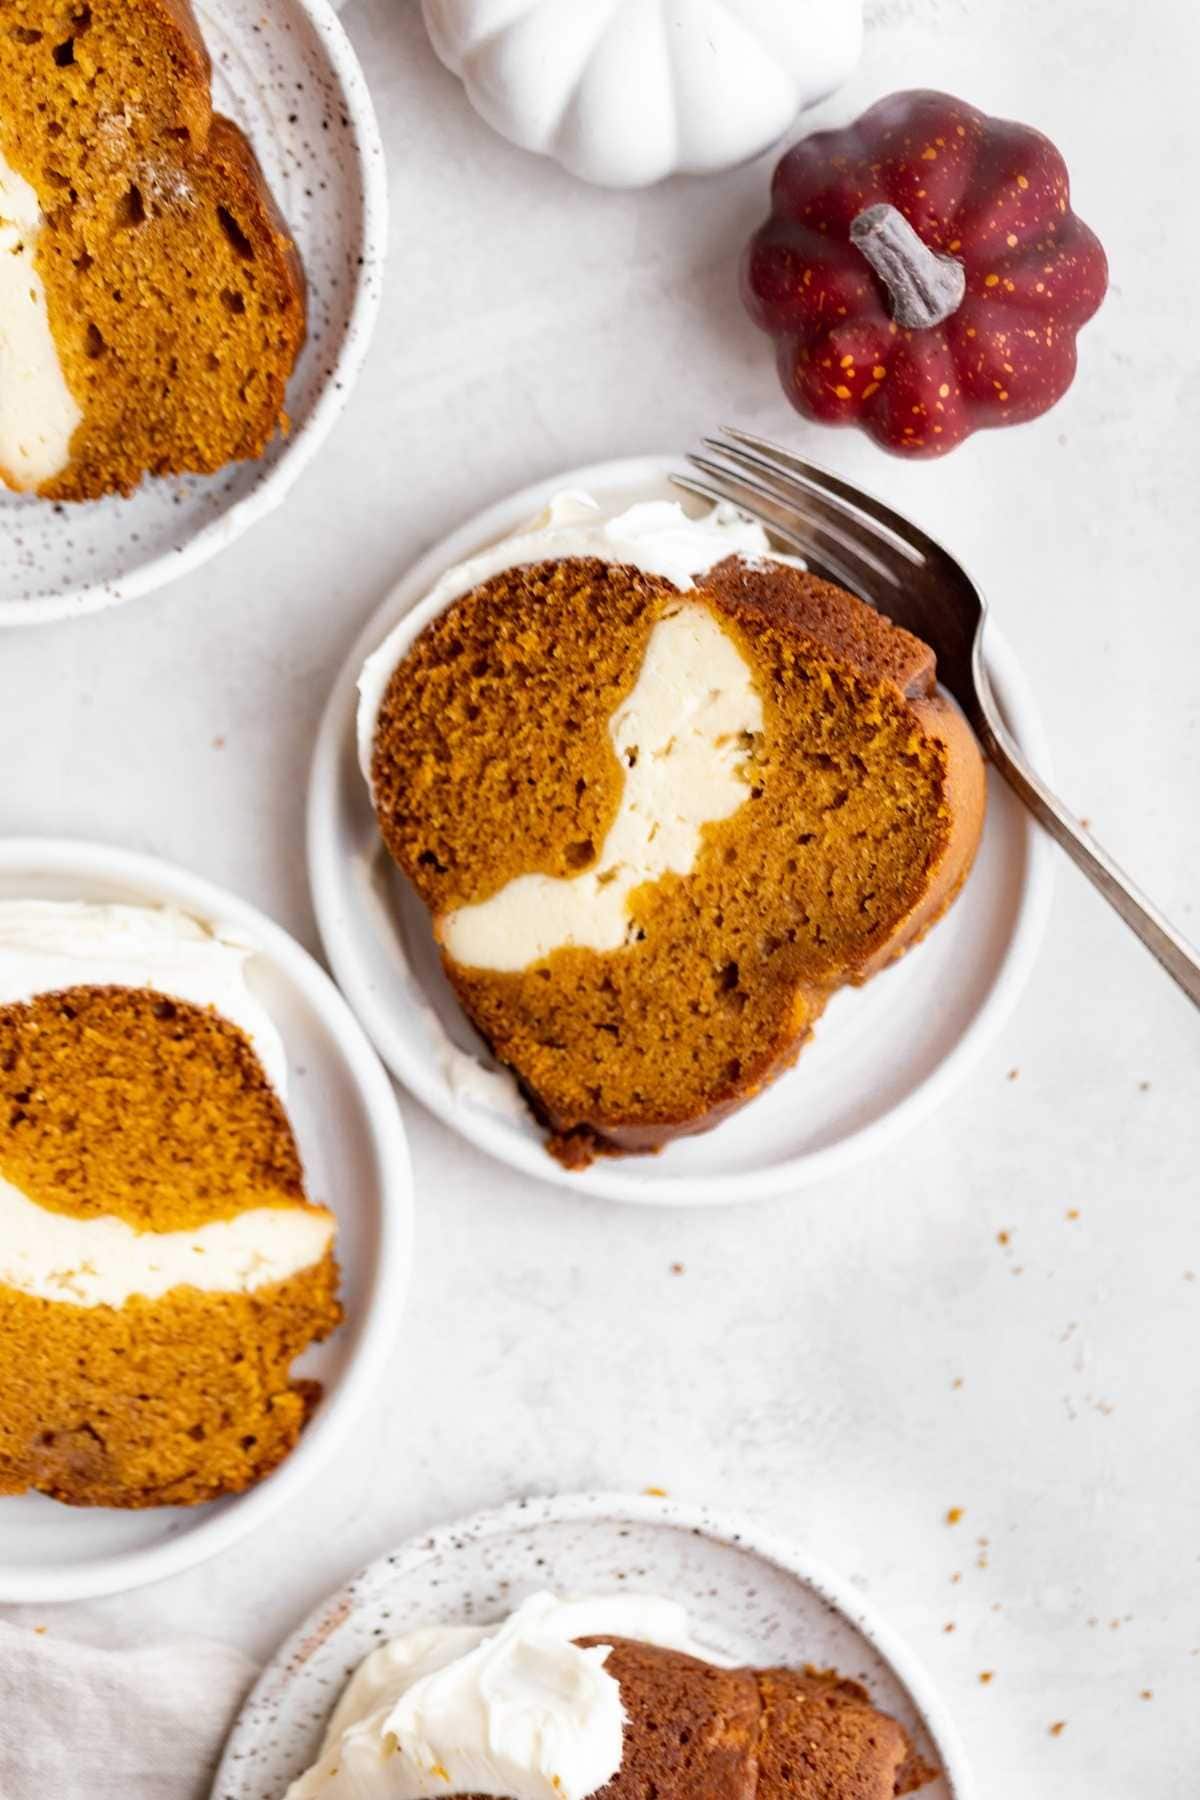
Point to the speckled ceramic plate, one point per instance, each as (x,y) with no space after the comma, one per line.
(298,91)
(751,1597)
(881,1057)
(351,1138)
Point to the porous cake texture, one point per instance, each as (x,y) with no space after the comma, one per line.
(708,1733)
(160,1265)
(512,741)
(174,292)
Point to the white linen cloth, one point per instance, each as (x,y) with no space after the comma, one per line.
(81,1723)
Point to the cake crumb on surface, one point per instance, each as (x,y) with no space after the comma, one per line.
(954,1514)
(1058,1727)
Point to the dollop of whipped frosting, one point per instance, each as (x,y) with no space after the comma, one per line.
(656,536)
(48,945)
(518,1710)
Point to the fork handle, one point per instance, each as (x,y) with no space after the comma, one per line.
(1176,955)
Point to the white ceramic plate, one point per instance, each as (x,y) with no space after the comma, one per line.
(881,1056)
(750,1596)
(352,1142)
(298,91)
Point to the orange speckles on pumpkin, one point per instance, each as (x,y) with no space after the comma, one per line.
(1015,213)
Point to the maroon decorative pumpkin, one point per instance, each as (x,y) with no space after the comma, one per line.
(922,273)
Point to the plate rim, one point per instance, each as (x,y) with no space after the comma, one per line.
(727,1527)
(387,1283)
(605,1178)
(302,445)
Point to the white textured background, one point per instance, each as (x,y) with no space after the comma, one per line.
(853,1363)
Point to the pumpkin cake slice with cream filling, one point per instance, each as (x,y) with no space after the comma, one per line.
(160,1265)
(152,302)
(606,1697)
(663,793)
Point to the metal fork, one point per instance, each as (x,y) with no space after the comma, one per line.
(856,541)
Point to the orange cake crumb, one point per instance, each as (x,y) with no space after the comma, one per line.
(174,290)
(121,1105)
(864,800)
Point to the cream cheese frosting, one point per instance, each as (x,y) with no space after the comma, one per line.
(656,536)
(681,737)
(38,412)
(517,1710)
(46,945)
(105,1262)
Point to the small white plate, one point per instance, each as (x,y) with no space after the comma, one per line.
(750,1596)
(881,1057)
(352,1142)
(297,90)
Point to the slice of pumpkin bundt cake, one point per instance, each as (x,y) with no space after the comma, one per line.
(663,793)
(160,1264)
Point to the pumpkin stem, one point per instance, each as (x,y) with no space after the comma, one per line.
(925,287)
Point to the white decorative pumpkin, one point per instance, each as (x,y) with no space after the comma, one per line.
(623,92)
